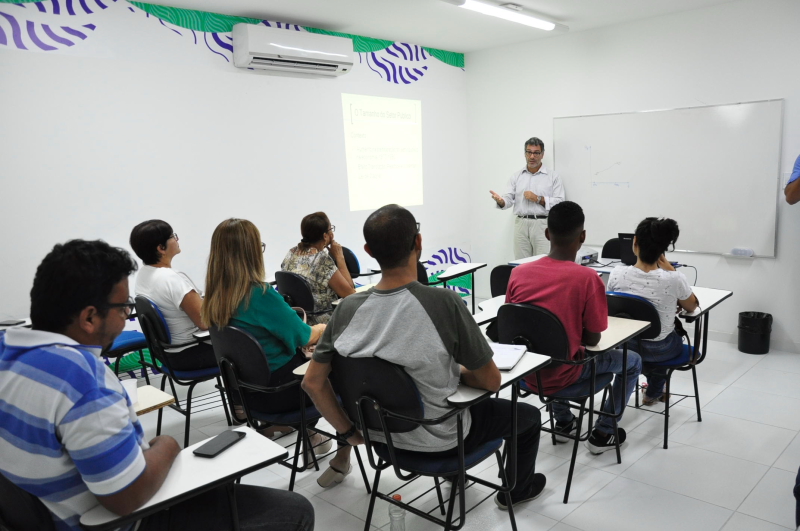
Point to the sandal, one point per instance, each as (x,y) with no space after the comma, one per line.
(333,476)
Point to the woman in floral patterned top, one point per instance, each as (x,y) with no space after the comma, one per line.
(319,259)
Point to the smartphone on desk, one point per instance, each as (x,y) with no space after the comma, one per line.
(219,444)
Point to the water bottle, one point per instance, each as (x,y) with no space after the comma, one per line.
(397,515)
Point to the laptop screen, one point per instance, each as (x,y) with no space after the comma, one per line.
(626,249)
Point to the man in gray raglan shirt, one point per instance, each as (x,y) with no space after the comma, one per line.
(430,333)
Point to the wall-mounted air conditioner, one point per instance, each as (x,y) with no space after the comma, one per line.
(291,51)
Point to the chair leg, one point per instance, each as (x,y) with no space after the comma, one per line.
(224,402)
(361,467)
(616,440)
(439,495)
(297,446)
(372,497)
(161,410)
(666,411)
(234,509)
(696,394)
(144,367)
(188,414)
(552,424)
(452,503)
(504,481)
(578,431)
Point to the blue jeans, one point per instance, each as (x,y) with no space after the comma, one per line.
(656,351)
(608,362)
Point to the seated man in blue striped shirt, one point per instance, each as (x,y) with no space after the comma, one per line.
(69,433)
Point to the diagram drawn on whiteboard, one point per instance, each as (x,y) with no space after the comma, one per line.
(594,174)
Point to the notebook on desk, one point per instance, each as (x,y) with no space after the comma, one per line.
(506,357)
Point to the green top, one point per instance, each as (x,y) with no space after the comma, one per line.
(273,323)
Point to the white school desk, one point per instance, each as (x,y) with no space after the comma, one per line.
(150,398)
(360,289)
(708,298)
(191,475)
(489,309)
(25,324)
(619,331)
(459,270)
(528,364)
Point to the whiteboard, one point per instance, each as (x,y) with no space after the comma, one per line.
(715,170)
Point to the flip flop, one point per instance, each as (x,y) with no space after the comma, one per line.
(332,476)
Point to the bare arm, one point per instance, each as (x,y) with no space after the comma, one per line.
(158,460)
(191,304)
(792,192)
(316,334)
(341,283)
(689,304)
(318,387)
(486,377)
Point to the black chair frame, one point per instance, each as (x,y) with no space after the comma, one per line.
(296,291)
(559,354)
(372,414)
(632,307)
(155,335)
(498,279)
(22,511)
(118,354)
(234,384)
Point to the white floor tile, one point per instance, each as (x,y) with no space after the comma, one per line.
(654,425)
(328,516)
(699,474)
(627,505)
(739,438)
(790,458)
(781,361)
(635,447)
(772,498)
(757,406)
(717,371)
(771,381)
(564,527)
(742,522)
(586,481)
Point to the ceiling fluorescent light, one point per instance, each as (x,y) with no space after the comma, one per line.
(506,14)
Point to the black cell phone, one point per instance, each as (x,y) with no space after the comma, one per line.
(219,444)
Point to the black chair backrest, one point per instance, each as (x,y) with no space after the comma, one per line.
(539,329)
(634,307)
(611,249)
(21,510)
(385,382)
(295,290)
(498,280)
(353,267)
(244,353)
(422,274)
(153,326)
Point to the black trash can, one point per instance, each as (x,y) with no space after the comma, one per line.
(754,330)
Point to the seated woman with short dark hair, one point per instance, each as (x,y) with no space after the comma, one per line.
(320,260)
(654,278)
(156,244)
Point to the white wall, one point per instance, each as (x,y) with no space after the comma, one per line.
(138,122)
(741,51)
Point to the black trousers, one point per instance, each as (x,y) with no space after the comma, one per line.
(200,356)
(288,400)
(491,419)
(259,509)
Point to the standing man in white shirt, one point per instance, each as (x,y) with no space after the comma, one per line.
(532,192)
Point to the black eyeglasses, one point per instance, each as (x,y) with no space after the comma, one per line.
(127,307)
(263,247)
(333,228)
(414,239)
(529,153)
(174,235)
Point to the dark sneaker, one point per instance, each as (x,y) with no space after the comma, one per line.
(565,429)
(536,488)
(599,443)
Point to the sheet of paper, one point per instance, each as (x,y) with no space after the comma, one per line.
(507,356)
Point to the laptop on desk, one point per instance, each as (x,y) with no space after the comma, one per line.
(506,357)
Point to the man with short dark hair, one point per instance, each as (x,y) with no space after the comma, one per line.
(70,436)
(430,333)
(576,295)
(532,191)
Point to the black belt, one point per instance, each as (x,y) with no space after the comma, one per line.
(532,217)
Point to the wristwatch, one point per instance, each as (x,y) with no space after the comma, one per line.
(349,433)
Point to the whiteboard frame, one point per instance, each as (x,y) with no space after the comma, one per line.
(780,153)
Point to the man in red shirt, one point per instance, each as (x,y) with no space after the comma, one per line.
(576,295)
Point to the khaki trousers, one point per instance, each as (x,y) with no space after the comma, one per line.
(529,238)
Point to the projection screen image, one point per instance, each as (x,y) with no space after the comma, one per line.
(383,145)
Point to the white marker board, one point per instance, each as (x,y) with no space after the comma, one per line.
(715,170)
